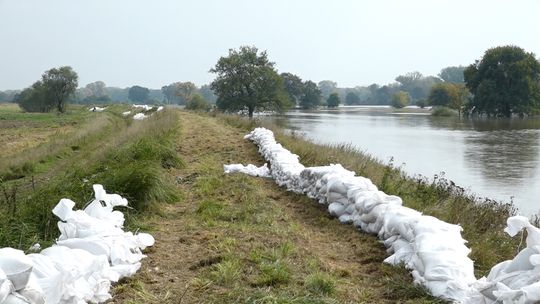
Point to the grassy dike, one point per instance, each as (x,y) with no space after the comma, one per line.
(240,239)
(482,219)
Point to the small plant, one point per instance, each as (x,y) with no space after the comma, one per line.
(274,273)
(320,283)
(227,272)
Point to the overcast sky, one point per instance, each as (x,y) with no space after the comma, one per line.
(153,43)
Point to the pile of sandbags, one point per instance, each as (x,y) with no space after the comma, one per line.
(433,250)
(517,280)
(139,116)
(250,169)
(144,107)
(91,252)
(285,167)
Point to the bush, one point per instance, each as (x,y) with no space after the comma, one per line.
(197,103)
(443,112)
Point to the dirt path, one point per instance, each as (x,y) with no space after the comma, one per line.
(239,239)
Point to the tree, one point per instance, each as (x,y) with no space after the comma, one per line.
(60,84)
(416,84)
(35,99)
(294,86)
(97,88)
(247,81)
(52,91)
(138,94)
(352,98)
(207,93)
(333,100)
(178,92)
(400,99)
(311,95)
(327,87)
(452,74)
(443,94)
(505,81)
(197,103)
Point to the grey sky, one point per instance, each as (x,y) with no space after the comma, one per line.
(153,43)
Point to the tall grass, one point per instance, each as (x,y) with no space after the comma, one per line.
(127,158)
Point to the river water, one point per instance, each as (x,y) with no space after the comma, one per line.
(498,159)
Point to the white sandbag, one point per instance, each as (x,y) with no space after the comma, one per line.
(48,277)
(139,116)
(16,266)
(32,292)
(336,209)
(144,107)
(249,169)
(6,287)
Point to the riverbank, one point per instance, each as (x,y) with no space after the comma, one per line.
(235,238)
(239,239)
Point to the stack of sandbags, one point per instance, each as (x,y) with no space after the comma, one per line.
(91,252)
(144,107)
(250,169)
(517,280)
(285,167)
(139,116)
(433,250)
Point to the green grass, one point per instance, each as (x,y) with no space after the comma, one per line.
(127,158)
(321,283)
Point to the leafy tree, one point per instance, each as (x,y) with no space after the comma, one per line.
(52,91)
(207,93)
(443,94)
(452,74)
(352,98)
(311,95)
(294,86)
(118,94)
(333,100)
(416,84)
(35,99)
(60,84)
(138,94)
(97,88)
(400,99)
(197,103)
(505,81)
(178,92)
(327,87)
(246,80)
(452,95)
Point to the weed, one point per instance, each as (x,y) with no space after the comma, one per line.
(320,283)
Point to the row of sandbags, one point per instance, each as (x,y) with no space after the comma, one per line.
(91,252)
(433,250)
(142,115)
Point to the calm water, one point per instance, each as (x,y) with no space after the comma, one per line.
(498,159)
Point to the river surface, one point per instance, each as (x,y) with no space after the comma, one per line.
(498,159)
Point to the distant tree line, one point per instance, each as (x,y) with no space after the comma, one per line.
(504,82)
